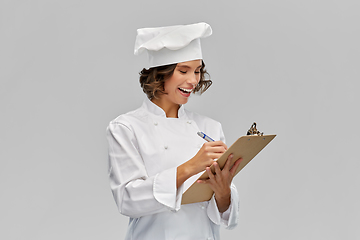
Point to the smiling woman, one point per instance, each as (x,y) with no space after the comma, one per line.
(152,80)
(178,87)
(155,149)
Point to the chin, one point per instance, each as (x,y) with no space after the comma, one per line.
(183,102)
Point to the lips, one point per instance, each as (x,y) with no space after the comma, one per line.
(185,92)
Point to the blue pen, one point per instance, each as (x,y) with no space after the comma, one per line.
(206,137)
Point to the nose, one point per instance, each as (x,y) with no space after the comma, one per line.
(193,79)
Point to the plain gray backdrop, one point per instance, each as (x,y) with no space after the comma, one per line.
(67,68)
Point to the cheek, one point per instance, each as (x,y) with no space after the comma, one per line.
(169,86)
(198,80)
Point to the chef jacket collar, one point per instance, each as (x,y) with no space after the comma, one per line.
(158,111)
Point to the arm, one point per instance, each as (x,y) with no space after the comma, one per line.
(229,218)
(137,194)
(220,182)
(224,205)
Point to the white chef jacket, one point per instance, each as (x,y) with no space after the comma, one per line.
(145,149)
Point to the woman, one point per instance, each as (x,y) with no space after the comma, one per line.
(155,150)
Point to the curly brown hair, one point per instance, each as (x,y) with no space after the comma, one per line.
(152,80)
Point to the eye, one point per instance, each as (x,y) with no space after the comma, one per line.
(182,71)
(197,72)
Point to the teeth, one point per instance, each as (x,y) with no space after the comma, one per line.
(186,90)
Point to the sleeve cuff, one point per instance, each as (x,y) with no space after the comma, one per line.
(225,215)
(213,211)
(229,218)
(165,191)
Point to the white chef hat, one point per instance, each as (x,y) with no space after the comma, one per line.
(173,44)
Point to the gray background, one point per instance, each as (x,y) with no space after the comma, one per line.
(67,68)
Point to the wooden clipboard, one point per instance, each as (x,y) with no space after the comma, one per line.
(246,147)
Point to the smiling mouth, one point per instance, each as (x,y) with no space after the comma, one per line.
(184,90)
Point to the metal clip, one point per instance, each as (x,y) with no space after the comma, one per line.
(254,131)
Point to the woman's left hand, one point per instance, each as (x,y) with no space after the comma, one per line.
(220,182)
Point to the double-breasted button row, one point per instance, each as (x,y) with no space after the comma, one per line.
(166,146)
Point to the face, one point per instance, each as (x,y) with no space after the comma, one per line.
(183,81)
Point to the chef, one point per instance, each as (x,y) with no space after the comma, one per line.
(154,151)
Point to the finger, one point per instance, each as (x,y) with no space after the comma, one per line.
(217,149)
(205,181)
(235,166)
(228,162)
(215,155)
(210,174)
(202,181)
(216,143)
(217,169)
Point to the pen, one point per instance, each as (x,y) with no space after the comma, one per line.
(206,137)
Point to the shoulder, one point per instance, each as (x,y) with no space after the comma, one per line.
(130,119)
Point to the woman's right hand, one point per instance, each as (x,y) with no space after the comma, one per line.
(205,157)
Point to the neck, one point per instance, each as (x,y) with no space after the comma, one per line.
(170,109)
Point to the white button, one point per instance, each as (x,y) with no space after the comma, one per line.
(189,122)
(166,146)
(155,123)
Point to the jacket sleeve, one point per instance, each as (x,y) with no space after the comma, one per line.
(137,194)
(229,218)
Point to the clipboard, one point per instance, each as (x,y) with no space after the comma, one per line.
(246,147)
